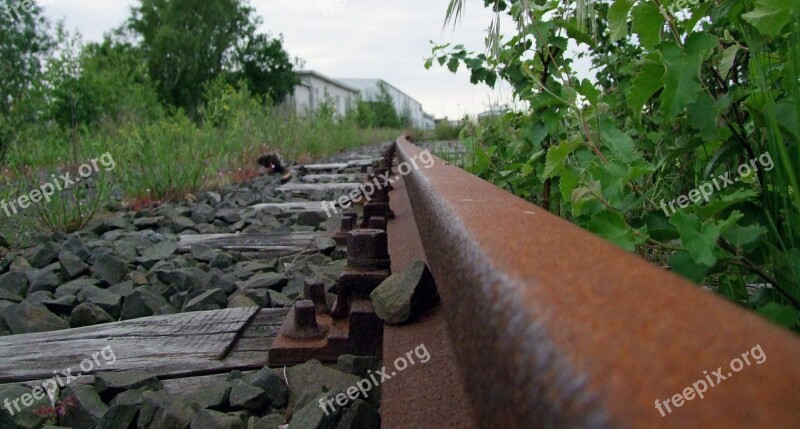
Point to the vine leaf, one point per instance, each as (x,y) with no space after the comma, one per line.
(781,314)
(618,18)
(682,79)
(557,156)
(722,202)
(619,143)
(646,83)
(647,23)
(684,264)
(612,227)
(728,57)
(704,117)
(453,64)
(699,238)
(742,237)
(770,16)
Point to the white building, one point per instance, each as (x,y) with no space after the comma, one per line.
(315,89)
(428,121)
(403,103)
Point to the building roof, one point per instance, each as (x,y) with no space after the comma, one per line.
(332,81)
(373,83)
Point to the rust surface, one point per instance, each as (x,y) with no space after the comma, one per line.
(554,327)
(433,394)
(359,334)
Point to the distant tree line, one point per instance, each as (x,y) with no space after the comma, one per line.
(161,60)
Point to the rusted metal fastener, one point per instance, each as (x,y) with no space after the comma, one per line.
(303,324)
(314,291)
(368,249)
(376,209)
(377,222)
(380,189)
(349,221)
(368,265)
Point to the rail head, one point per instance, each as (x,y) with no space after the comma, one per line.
(555,327)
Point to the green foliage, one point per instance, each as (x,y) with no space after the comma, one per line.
(220,84)
(445,131)
(379,111)
(112,83)
(187,45)
(682,99)
(24,43)
(265,66)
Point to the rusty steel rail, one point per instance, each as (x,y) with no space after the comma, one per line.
(554,327)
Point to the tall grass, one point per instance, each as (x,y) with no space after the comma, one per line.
(170,157)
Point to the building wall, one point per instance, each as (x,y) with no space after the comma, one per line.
(402,101)
(428,121)
(313,91)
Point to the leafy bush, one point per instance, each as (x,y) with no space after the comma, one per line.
(682,98)
(446,131)
(379,111)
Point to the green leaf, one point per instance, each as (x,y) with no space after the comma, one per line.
(588,90)
(780,314)
(536,134)
(647,23)
(684,264)
(567,183)
(584,195)
(659,227)
(481,162)
(786,112)
(698,238)
(618,18)
(770,16)
(728,57)
(682,79)
(619,143)
(646,83)
(704,117)
(722,202)
(742,236)
(612,227)
(557,156)
(453,64)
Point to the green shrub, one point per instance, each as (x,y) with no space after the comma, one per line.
(680,100)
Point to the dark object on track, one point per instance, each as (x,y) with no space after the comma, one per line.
(273,162)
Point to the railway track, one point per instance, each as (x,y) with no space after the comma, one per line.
(543,325)
(538,323)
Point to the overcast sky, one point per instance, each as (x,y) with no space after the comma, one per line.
(347,39)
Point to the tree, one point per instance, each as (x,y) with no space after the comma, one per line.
(187,44)
(112,82)
(265,66)
(25,42)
